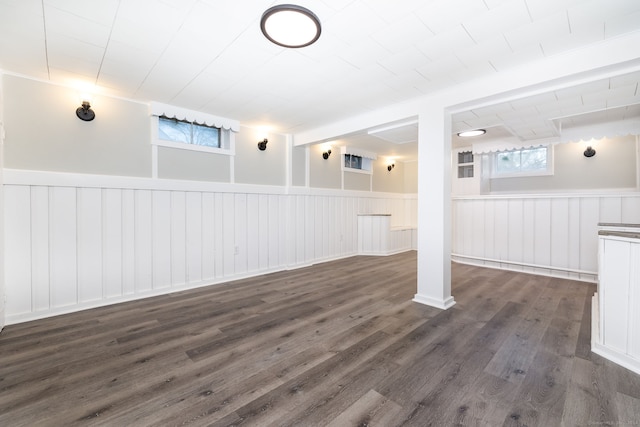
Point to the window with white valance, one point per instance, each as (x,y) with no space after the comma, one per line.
(176,127)
(524,161)
(357,160)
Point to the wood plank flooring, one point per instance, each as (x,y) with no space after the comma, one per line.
(337,344)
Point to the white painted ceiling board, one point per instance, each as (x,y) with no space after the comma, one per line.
(534,33)
(211,55)
(504,17)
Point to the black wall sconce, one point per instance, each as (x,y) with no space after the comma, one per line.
(391,166)
(326,154)
(84,112)
(262,145)
(589,152)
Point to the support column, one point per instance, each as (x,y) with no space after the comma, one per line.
(434,208)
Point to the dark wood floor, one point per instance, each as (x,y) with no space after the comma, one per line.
(337,344)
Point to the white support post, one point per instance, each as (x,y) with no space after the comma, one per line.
(434,208)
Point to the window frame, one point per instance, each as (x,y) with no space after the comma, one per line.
(548,171)
(226,137)
(365,164)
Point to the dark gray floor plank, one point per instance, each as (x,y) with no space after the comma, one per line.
(340,344)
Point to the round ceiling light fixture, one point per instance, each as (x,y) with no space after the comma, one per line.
(475,132)
(290,25)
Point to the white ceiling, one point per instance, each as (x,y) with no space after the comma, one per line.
(209,55)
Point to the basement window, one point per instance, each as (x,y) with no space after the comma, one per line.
(353,162)
(357,160)
(522,162)
(182,131)
(176,127)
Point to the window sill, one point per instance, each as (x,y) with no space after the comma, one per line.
(362,171)
(522,175)
(191,147)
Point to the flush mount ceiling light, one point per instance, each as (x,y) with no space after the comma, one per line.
(289,25)
(476,132)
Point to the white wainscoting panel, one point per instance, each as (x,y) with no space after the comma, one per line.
(71,247)
(554,235)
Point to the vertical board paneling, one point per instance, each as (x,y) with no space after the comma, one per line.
(194,237)
(221,267)
(477,228)
(318,228)
(143,241)
(161,239)
(208,237)
(128,243)
(528,231)
(559,232)
(339,225)
(467,227)
(264,232)
(286,239)
(542,240)
(351,226)
(254,231)
(574,237)
(112,242)
(18,240)
(77,245)
(178,245)
(80,245)
(62,232)
(90,274)
(489,231)
(554,231)
(331,240)
(241,240)
(230,247)
(309,232)
(515,231)
(610,209)
(273,255)
(634,304)
(457,222)
(40,285)
(501,217)
(631,210)
(616,298)
(589,209)
(300,219)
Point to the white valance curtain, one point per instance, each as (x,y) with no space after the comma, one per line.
(158,109)
(492,147)
(358,152)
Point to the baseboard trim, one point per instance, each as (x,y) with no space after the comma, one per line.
(443,304)
(621,359)
(558,272)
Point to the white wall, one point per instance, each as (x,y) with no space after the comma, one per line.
(544,234)
(613,167)
(252,166)
(43,132)
(81,241)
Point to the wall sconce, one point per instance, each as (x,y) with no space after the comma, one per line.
(326,154)
(589,152)
(84,112)
(262,145)
(391,166)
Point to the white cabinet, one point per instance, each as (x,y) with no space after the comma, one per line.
(616,308)
(376,236)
